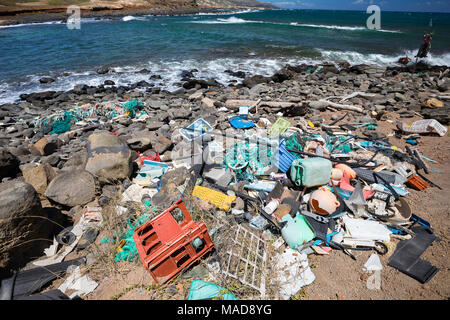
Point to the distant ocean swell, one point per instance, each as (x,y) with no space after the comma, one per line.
(234,20)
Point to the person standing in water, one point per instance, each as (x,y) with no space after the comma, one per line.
(426,46)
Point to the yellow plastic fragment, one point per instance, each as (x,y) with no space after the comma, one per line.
(310,124)
(219,199)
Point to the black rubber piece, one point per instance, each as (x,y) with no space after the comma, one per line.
(368,175)
(7,287)
(406,257)
(49,295)
(30,281)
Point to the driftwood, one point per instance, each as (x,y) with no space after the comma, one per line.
(440,97)
(235,104)
(357,93)
(342,106)
(344,98)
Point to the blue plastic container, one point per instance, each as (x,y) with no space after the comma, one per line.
(283,158)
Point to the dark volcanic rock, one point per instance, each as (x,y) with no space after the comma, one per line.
(46,80)
(22,223)
(102,70)
(440,114)
(9,164)
(282,75)
(237,74)
(250,82)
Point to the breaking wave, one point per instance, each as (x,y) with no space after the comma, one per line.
(235,20)
(349,28)
(31,24)
(379,59)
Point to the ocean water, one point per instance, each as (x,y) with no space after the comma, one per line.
(254,41)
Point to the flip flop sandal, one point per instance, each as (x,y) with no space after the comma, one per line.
(87,238)
(66,237)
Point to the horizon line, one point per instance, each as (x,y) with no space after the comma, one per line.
(358,10)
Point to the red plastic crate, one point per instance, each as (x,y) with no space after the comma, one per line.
(417,183)
(167,247)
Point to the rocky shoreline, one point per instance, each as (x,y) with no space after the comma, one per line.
(60,166)
(31,17)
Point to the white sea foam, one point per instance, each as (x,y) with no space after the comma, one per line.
(234,20)
(170,71)
(30,24)
(349,28)
(354,57)
(230,20)
(130,18)
(227,12)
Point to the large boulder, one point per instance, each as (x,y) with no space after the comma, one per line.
(72,188)
(38,175)
(45,146)
(109,158)
(22,225)
(250,82)
(9,164)
(282,75)
(141,140)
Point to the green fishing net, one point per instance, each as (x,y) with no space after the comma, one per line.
(129,251)
(62,121)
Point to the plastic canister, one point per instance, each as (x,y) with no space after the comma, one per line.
(297,231)
(272,206)
(311,172)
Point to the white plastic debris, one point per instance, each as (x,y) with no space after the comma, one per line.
(366,229)
(135,192)
(50,251)
(423,126)
(373,263)
(292,273)
(81,283)
(121,210)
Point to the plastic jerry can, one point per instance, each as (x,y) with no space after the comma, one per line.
(297,231)
(311,172)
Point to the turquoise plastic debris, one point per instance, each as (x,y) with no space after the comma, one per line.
(248,157)
(129,251)
(202,290)
(62,121)
(311,172)
(297,231)
(131,107)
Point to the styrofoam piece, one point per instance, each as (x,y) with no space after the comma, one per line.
(292,273)
(82,284)
(373,263)
(366,229)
